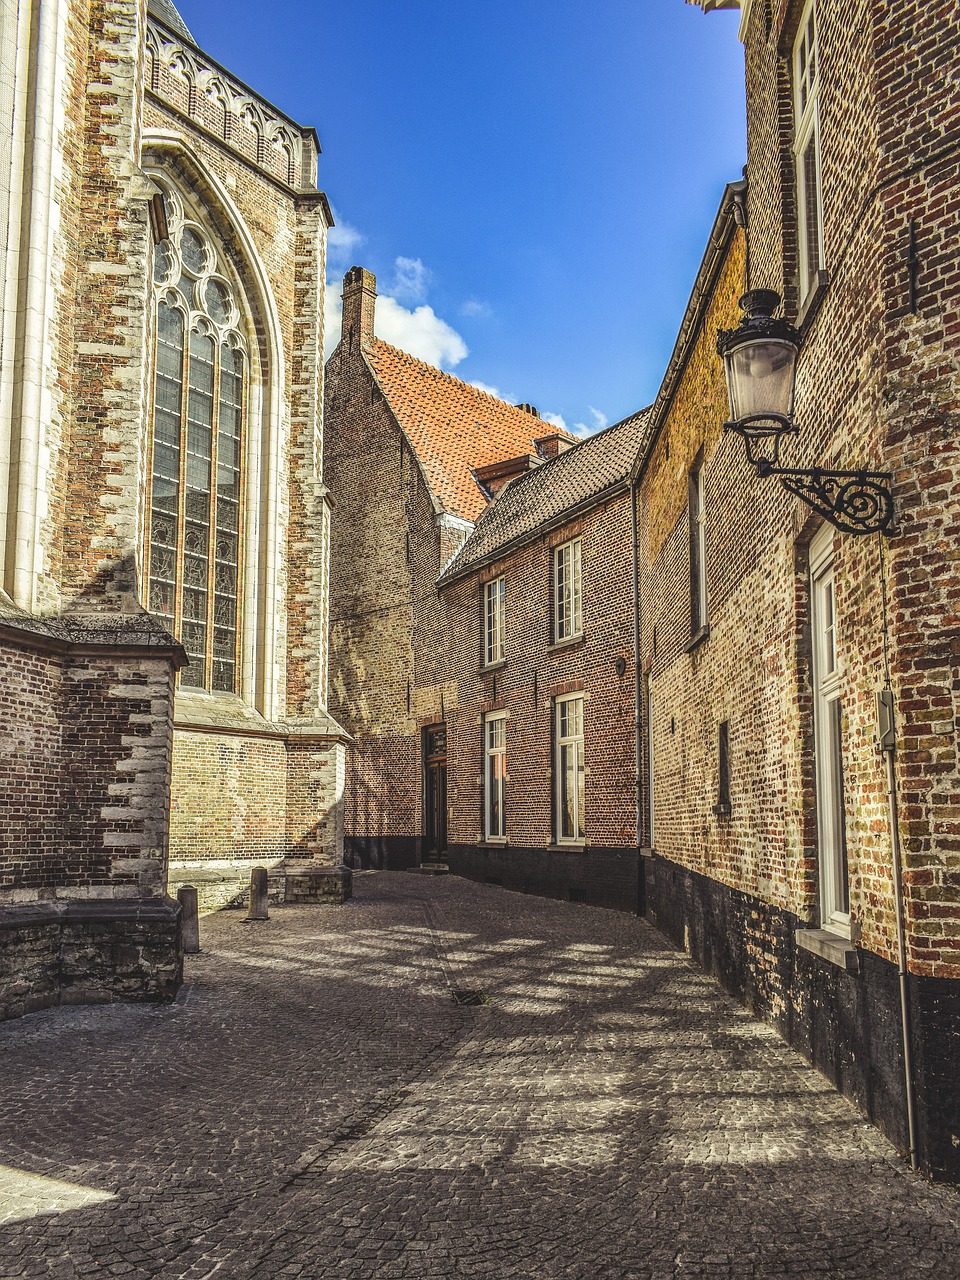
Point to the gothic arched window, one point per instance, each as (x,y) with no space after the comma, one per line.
(193,545)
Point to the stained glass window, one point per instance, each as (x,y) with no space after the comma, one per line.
(198,419)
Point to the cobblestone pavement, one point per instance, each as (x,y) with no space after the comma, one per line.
(316,1104)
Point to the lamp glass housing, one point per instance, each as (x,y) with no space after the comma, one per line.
(760,378)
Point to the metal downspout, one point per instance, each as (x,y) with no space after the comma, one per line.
(888,750)
(638,697)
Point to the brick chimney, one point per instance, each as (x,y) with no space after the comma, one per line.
(552,445)
(359,304)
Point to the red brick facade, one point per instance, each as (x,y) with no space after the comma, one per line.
(877,387)
(535,672)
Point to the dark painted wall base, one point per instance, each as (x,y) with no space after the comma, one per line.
(846,1024)
(599,877)
(88,952)
(381,853)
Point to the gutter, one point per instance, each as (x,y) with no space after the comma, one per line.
(638,697)
(564,517)
(730,215)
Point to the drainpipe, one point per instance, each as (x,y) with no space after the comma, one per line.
(638,697)
(888,747)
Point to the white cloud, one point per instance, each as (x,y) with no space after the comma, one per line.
(476,309)
(600,420)
(485,386)
(411,280)
(332,311)
(342,241)
(556,420)
(416,329)
(420,332)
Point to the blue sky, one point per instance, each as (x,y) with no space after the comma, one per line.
(532,181)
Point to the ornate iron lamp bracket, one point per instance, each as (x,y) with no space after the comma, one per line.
(853,501)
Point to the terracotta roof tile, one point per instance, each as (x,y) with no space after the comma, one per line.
(542,496)
(452,426)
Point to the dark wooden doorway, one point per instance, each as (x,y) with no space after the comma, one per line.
(435,792)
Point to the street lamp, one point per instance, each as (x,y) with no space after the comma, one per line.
(760,363)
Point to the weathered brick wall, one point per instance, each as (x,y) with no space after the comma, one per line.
(31,774)
(228,797)
(231,790)
(535,672)
(878,385)
(85,762)
(382,527)
(314,803)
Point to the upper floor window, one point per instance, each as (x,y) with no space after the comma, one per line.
(194,532)
(698,549)
(494,600)
(570,768)
(567,591)
(806,149)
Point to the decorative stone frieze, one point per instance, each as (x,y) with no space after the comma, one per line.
(183,78)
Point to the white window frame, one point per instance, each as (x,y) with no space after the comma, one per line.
(494,621)
(495,776)
(569,742)
(698,541)
(651,789)
(806,114)
(828,745)
(568,590)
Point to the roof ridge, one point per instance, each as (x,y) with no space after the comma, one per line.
(452,377)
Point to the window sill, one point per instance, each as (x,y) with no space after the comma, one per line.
(811,303)
(697,639)
(568,643)
(829,946)
(492,842)
(493,666)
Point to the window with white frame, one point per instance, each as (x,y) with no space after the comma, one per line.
(567,591)
(199,408)
(570,769)
(495,775)
(828,741)
(806,149)
(698,549)
(494,616)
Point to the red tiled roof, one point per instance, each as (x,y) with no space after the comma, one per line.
(452,426)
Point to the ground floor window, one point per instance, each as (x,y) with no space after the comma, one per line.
(495,775)
(570,769)
(828,739)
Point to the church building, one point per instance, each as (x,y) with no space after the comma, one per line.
(164,527)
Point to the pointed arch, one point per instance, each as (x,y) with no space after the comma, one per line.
(173,161)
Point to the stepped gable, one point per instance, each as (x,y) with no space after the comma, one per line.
(453,426)
(595,467)
(165,11)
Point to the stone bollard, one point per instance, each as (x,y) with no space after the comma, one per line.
(190,918)
(258,896)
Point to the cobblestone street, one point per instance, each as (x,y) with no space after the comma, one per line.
(317,1104)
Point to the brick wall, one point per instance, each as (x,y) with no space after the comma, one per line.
(535,672)
(384,549)
(85,763)
(878,385)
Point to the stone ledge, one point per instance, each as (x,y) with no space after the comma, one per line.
(829,946)
(87,952)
